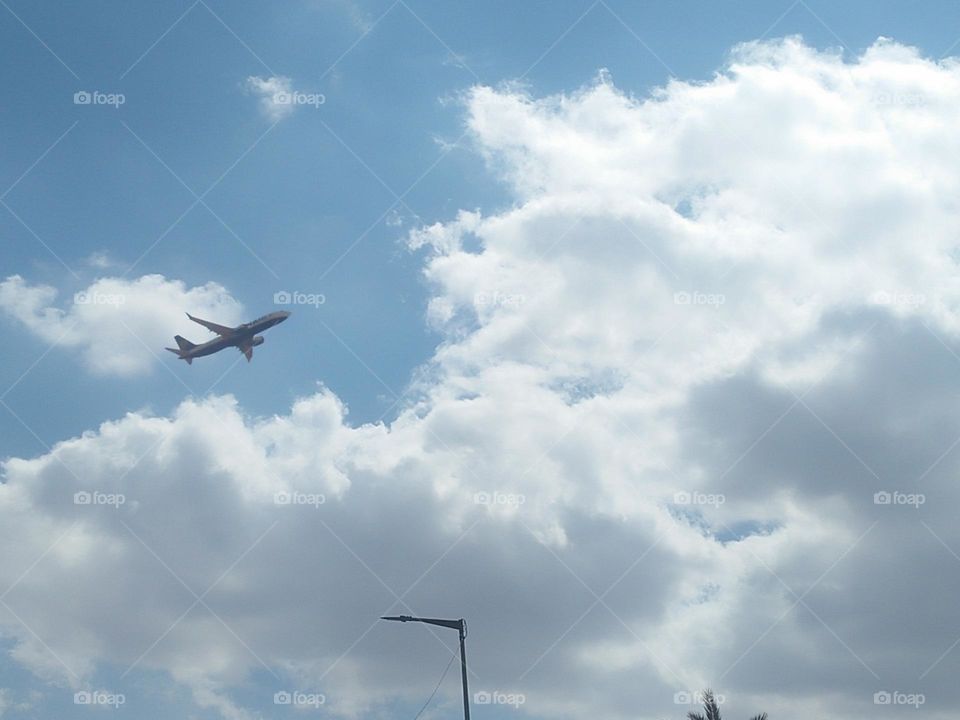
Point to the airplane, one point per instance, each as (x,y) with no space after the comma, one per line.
(243,337)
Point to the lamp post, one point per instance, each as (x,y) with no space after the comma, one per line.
(459,625)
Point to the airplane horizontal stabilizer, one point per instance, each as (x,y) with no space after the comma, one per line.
(180,355)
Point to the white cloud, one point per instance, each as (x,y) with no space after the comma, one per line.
(674,274)
(272,91)
(278,98)
(119,326)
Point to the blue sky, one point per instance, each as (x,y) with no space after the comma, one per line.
(321,200)
(300,200)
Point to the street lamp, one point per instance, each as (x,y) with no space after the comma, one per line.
(459,625)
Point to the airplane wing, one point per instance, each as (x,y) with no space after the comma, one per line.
(218,329)
(248,351)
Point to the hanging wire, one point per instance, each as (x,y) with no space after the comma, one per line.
(445,671)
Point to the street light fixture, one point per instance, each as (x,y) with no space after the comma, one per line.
(459,625)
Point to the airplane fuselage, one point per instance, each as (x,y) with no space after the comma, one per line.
(218,344)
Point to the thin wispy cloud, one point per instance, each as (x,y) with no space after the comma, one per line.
(278,99)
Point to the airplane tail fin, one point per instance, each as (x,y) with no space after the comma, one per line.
(183,343)
(183,346)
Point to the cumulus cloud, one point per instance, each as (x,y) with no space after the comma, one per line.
(693,386)
(118,325)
